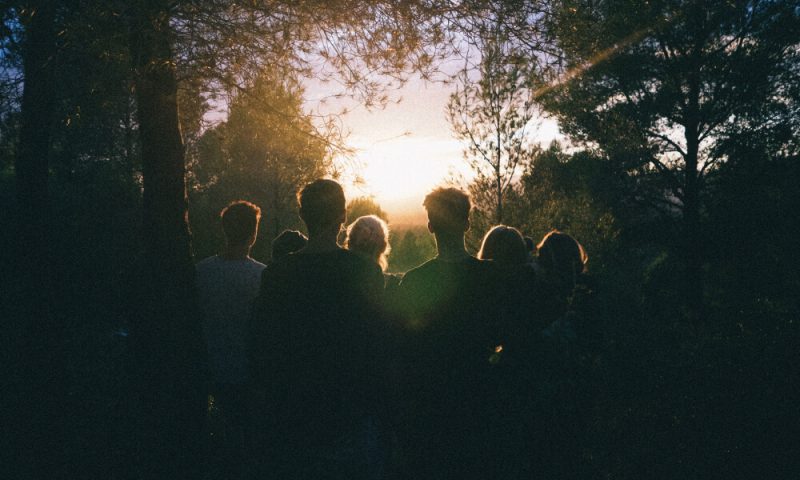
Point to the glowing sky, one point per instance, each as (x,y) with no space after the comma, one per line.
(405,149)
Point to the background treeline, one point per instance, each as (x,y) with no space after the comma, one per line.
(679,173)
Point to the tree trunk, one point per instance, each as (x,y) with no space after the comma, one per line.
(31,163)
(498,177)
(499,187)
(166,332)
(692,241)
(39,382)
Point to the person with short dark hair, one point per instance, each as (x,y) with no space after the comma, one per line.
(227,285)
(288,242)
(322,209)
(240,223)
(316,353)
(448,345)
(448,214)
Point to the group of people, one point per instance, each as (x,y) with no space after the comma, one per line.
(334,368)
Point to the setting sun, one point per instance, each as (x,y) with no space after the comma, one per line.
(399,172)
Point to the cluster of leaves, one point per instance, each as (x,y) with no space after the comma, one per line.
(411,247)
(264,152)
(492,109)
(672,86)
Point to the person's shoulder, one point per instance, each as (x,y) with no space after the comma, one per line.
(473,263)
(277,276)
(472,260)
(421,271)
(393,278)
(358,262)
(280,266)
(345,255)
(207,261)
(586,282)
(474,267)
(254,265)
(525,272)
(207,264)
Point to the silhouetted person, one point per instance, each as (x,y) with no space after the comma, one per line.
(564,393)
(504,245)
(519,322)
(519,315)
(227,286)
(316,353)
(530,246)
(369,236)
(518,296)
(562,267)
(289,241)
(448,345)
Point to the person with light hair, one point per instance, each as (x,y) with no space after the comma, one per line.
(369,236)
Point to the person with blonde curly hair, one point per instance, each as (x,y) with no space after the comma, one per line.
(369,236)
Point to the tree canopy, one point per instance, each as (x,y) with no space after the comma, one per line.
(669,89)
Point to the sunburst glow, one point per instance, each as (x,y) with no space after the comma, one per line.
(403,170)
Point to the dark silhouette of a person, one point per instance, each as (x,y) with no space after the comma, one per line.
(316,354)
(447,346)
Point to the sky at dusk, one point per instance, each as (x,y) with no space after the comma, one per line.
(405,149)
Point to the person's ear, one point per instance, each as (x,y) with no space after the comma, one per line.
(430,227)
(466,226)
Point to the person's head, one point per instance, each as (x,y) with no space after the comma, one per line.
(322,207)
(448,211)
(240,223)
(369,236)
(289,241)
(562,256)
(504,245)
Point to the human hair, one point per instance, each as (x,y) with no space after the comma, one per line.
(289,241)
(322,205)
(530,245)
(240,222)
(562,254)
(448,210)
(369,235)
(504,245)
